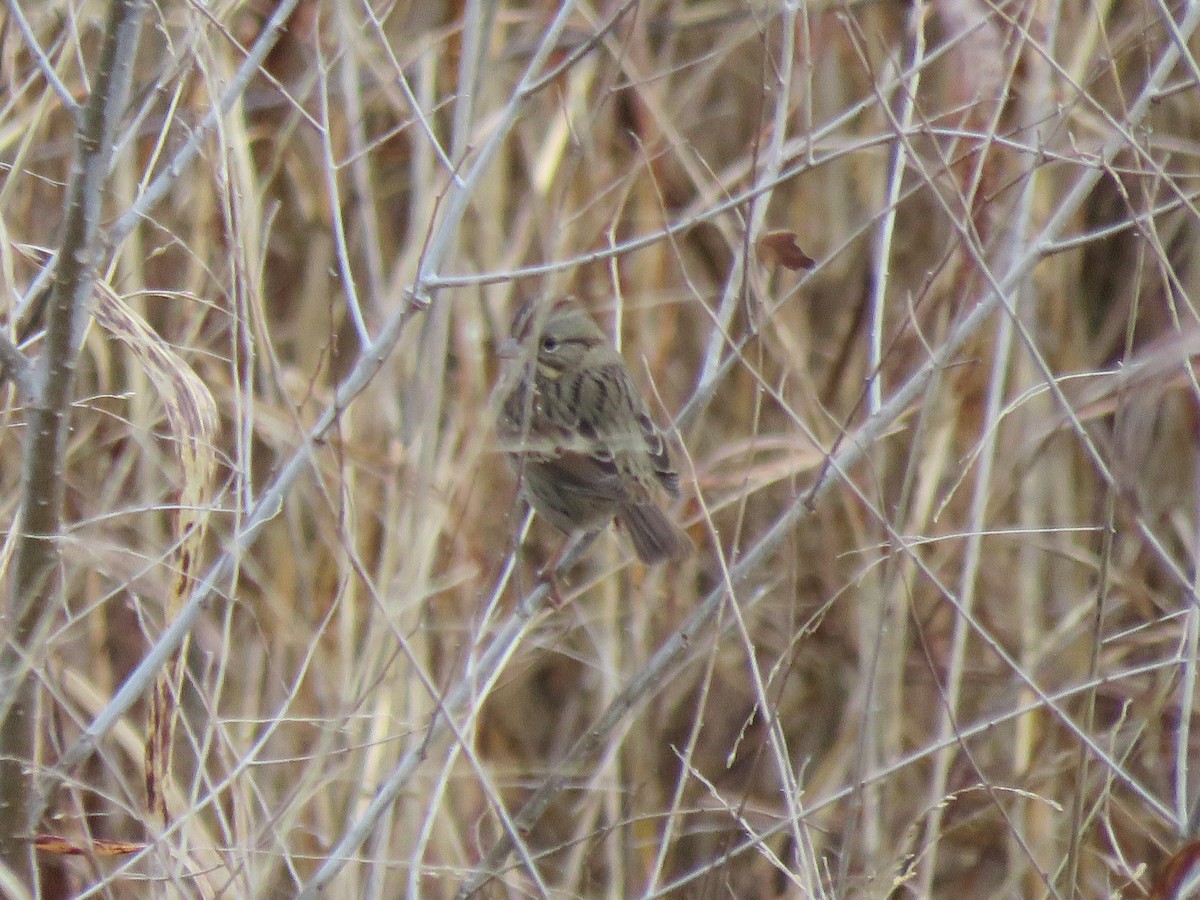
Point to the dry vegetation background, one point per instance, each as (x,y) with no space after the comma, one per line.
(940,635)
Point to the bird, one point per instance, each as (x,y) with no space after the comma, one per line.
(578,433)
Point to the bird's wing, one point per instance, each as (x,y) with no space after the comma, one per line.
(639,451)
(587,475)
(660,456)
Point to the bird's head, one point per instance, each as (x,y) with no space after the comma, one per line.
(559,335)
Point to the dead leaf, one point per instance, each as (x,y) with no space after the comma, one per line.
(52,843)
(780,248)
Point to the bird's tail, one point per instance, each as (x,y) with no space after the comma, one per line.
(655,537)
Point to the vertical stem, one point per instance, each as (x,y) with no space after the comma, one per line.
(34,592)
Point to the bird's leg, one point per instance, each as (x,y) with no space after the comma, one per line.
(550,576)
(549,572)
(567,555)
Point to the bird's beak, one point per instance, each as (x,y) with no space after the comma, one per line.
(510,349)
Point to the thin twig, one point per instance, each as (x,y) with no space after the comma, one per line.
(43,63)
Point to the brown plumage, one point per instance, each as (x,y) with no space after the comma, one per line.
(577,431)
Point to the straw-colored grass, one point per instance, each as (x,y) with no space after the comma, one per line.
(940,635)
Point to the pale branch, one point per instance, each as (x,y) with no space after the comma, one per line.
(43,63)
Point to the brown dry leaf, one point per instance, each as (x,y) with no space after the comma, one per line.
(780,248)
(52,843)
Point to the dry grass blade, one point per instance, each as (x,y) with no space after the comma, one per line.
(192,417)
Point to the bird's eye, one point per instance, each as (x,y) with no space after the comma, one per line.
(549,343)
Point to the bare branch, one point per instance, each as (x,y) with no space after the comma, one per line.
(34,600)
